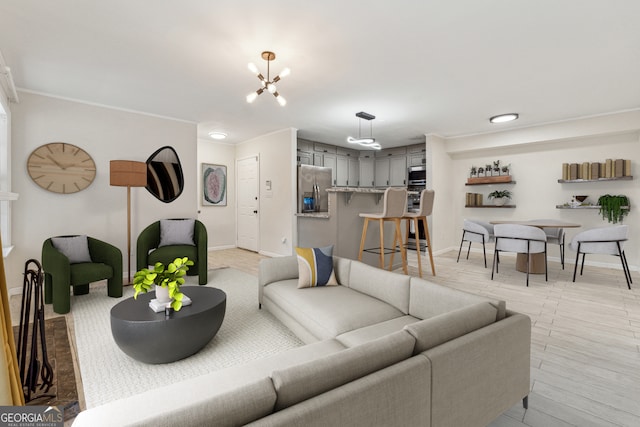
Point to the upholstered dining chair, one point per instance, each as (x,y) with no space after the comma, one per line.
(425,209)
(167,239)
(479,232)
(77,261)
(602,240)
(522,239)
(555,236)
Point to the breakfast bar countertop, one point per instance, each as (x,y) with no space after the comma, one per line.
(356,190)
(361,190)
(321,215)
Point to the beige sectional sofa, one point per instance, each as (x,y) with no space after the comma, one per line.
(382,349)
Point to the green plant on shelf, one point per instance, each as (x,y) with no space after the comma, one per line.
(611,207)
(499,194)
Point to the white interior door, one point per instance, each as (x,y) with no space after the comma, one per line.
(247,170)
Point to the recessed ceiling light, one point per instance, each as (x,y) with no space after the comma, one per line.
(503,118)
(217,135)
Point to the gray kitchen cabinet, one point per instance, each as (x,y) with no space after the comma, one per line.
(304,158)
(382,172)
(347,171)
(354,172)
(398,171)
(391,171)
(366,171)
(342,171)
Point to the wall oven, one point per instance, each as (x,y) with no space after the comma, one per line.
(417,181)
(417,176)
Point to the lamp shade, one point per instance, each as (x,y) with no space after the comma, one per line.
(128,173)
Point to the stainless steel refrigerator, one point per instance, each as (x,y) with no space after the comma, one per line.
(313,182)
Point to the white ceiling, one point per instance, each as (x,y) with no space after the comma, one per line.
(429,66)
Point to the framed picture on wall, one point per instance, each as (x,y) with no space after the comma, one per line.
(214,185)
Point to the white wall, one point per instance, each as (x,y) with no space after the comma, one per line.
(439,164)
(277,208)
(5,167)
(536,166)
(219,220)
(100,210)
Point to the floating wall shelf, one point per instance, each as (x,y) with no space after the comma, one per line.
(492,206)
(489,183)
(571,181)
(585,207)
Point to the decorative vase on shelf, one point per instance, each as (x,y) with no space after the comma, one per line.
(162,294)
(499,201)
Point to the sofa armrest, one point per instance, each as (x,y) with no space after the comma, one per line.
(54,264)
(105,253)
(148,239)
(271,270)
(201,239)
(478,376)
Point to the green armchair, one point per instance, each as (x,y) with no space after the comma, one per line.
(60,273)
(149,251)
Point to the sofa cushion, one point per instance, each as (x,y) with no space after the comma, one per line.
(315,267)
(370,333)
(329,311)
(199,405)
(87,272)
(176,232)
(310,379)
(429,299)
(394,396)
(389,287)
(445,327)
(167,254)
(75,248)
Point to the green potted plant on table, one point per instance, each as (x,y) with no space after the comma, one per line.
(500,197)
(169,277)
(614,208)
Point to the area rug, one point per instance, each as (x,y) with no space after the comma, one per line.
(63,392)
(246,334)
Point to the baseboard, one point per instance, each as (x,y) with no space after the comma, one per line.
(221,248)
(271,254)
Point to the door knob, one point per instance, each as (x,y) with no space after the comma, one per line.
(255,212)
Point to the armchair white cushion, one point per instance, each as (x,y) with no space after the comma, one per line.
(602,240)
(478,232)
(522,239)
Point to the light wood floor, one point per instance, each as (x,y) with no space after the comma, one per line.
(585,350)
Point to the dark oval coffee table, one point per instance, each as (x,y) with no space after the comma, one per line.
(154,338)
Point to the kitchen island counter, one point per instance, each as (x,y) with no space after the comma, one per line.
(342,227)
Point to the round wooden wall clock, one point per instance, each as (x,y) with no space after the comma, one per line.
(61,168)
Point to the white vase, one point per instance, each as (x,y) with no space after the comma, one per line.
(162,294)
(499,201)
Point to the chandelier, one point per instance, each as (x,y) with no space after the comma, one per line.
(267,84)
(370,141)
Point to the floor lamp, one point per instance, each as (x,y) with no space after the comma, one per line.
(128,173)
